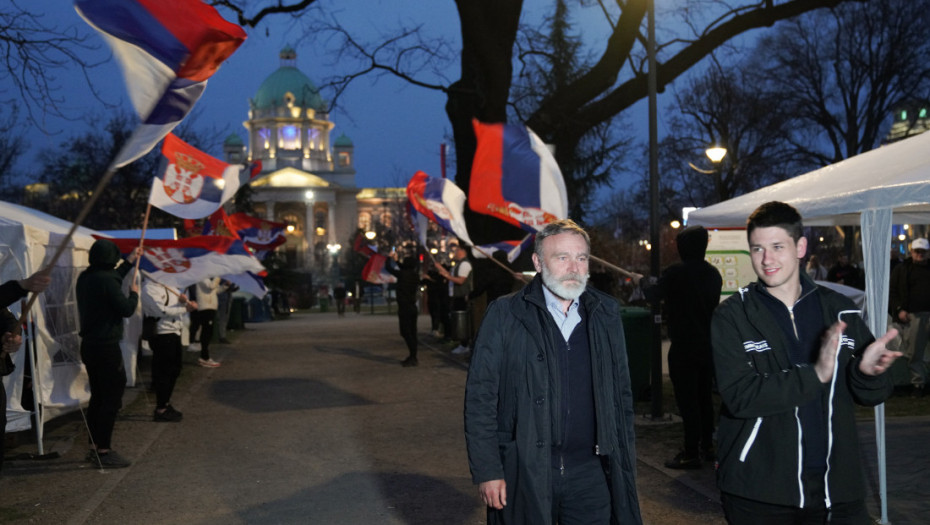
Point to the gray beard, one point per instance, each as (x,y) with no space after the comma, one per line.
(562,291)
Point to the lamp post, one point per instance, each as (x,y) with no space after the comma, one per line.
(656,351)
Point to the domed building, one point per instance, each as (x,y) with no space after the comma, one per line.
(305,178)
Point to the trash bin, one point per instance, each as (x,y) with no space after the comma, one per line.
(637,329)
(324,303)
(461,324)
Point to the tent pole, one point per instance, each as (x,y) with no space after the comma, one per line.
(32,356)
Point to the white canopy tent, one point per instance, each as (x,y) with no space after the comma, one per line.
(49,378)
(889,185)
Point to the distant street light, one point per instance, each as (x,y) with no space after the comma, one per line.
(716,153)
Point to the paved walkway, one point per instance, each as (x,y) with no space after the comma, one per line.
(312,420)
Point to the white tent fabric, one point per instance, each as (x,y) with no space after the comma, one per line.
(28,239)
(889,185)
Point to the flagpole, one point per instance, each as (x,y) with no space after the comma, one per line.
(101,184)
(145,225)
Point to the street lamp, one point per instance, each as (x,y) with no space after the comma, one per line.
(716,153)
(334,251)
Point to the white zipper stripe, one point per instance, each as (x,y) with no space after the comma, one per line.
(800,456)
(752,437)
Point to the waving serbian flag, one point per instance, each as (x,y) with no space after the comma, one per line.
(248,282)
(167,50)
(515,178)
(374,271)
(183,262)
(193,184)
(440,201)
(258,234)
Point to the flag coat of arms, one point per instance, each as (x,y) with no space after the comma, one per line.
(193,184)
(183,262)
(515,178)
(440,201)
(167,50)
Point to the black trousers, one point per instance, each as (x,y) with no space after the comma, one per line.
(580,495)
(203,319)
(107,377)
(2,422)
(166,366)
(693,385)
(407,317)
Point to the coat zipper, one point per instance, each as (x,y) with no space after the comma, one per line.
(751,440)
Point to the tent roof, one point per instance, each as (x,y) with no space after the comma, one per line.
(15,214)
(896,176)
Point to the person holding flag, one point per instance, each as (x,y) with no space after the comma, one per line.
(101,309)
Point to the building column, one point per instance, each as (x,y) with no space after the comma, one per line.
(309,234)
(331,231)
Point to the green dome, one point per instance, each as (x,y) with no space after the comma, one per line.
(287,79)
(343,142)
(233,140)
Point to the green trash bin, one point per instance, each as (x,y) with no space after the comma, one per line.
(324,304)
(637,329)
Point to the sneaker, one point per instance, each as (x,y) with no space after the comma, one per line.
(106,460)
(410,361)
(208,363)
(461,350)
(193,347)
(170,415)
(436,333)
(682,462)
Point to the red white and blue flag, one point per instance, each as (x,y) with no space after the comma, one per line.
(183,262)
(249,282)
(193,184)
(258,234)
(515,178)
(440,201)
(374,271)
(167,50)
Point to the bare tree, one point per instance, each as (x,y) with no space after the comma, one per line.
(843,71)
(32,54)
(731,107)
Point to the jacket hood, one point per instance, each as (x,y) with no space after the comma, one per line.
(692,243)
(104,253)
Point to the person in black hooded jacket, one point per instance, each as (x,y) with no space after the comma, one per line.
(101,308)
(691,291)
(408,282)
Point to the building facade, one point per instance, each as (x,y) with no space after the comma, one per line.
(304,177)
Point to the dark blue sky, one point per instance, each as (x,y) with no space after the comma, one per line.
(397,128)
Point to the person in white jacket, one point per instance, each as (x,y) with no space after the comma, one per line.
(169,307)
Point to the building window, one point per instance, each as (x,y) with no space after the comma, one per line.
(313,138)
(264,136)
(293,220)
(345,159)
(923,113)
(904,115)
(288,137)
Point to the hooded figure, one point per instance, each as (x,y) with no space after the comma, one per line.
(690,291)
(102,307)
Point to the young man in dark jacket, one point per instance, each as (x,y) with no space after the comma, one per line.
(102,307)
(548,404)
(791,360)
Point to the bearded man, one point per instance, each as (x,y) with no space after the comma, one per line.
(548,404)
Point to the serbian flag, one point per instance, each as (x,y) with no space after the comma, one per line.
(249,282)
(515,178)
(183,262)
(167,50)
(254,170)
(513,248)
(258,234)
(374,271)
(193,184)
(360,246)
(440,201)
